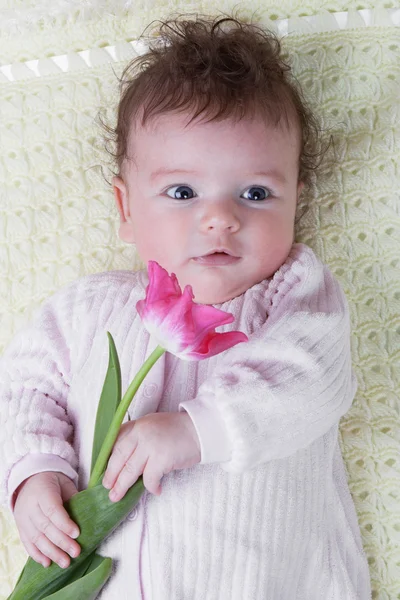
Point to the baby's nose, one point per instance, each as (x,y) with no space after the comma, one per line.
(220,218)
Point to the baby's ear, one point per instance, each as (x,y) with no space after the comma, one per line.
(122,203)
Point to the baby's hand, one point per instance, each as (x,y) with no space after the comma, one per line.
(44,526)
(153,445)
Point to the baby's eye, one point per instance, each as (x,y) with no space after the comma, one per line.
(182,192)
(257,193)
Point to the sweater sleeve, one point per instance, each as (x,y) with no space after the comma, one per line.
(35,430)
(289,384)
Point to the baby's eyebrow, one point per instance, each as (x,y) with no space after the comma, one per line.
(162,171)
(273,174)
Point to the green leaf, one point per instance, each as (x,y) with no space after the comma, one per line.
(81,570)
(96,517)
(87,587)
(109,400)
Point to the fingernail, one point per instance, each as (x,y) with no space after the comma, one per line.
(63,564)
(113,495)
(106,483)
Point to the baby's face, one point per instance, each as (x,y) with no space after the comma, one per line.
(213,203)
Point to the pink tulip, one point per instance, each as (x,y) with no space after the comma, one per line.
(178,324)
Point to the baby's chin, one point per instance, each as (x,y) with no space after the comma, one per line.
(215,296)
(217,285)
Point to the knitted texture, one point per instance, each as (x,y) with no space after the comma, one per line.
(58,221)
(275,519)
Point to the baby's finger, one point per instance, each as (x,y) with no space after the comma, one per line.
(122,451)
(133,468)
(52,509)
(46,547)
(35,553)
(38,539)
(56,536)
(152,475)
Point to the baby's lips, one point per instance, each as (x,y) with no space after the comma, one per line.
(217,259)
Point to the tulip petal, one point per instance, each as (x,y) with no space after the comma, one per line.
(208,317)
(179,325)
(215,343)
(161,292)
(179,320)
(161,285)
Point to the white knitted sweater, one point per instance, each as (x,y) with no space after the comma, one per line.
(268,514)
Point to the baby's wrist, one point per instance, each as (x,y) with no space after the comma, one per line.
(18,491)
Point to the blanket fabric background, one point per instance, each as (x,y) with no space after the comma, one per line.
(58,220)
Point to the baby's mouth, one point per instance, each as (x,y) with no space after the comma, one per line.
(217,259)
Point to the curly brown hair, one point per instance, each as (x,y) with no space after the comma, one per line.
(216,68)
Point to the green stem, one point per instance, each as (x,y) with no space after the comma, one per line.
(123,406)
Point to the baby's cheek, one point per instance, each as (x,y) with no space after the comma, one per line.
(162,241)
(271,247)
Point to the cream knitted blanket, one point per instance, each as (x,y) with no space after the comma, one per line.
(58,221)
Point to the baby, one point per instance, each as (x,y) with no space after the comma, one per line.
(248,498)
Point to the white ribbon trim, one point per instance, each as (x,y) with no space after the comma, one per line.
(352,19)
